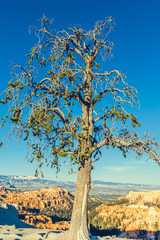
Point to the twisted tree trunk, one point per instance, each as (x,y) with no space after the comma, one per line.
(79,222)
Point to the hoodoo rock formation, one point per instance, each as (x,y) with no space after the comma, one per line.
(128,218)
(36,201)
(150,198)
(39,199)
(138,211)
(44,222)
(136,215)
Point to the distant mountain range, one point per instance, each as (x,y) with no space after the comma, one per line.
(105,190)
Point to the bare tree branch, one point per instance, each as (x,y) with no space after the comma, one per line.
(135,144)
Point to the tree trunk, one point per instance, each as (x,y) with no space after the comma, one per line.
(79,229)
(79,222)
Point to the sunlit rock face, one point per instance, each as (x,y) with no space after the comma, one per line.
(152,197)
(129,218)
(44,222)
(11,227)
(134,215)
(39,199)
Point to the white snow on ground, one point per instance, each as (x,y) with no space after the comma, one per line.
(12,233)
(11,228)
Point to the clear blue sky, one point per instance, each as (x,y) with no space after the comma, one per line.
(137,52)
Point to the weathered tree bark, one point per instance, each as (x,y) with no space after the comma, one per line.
(79,222)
